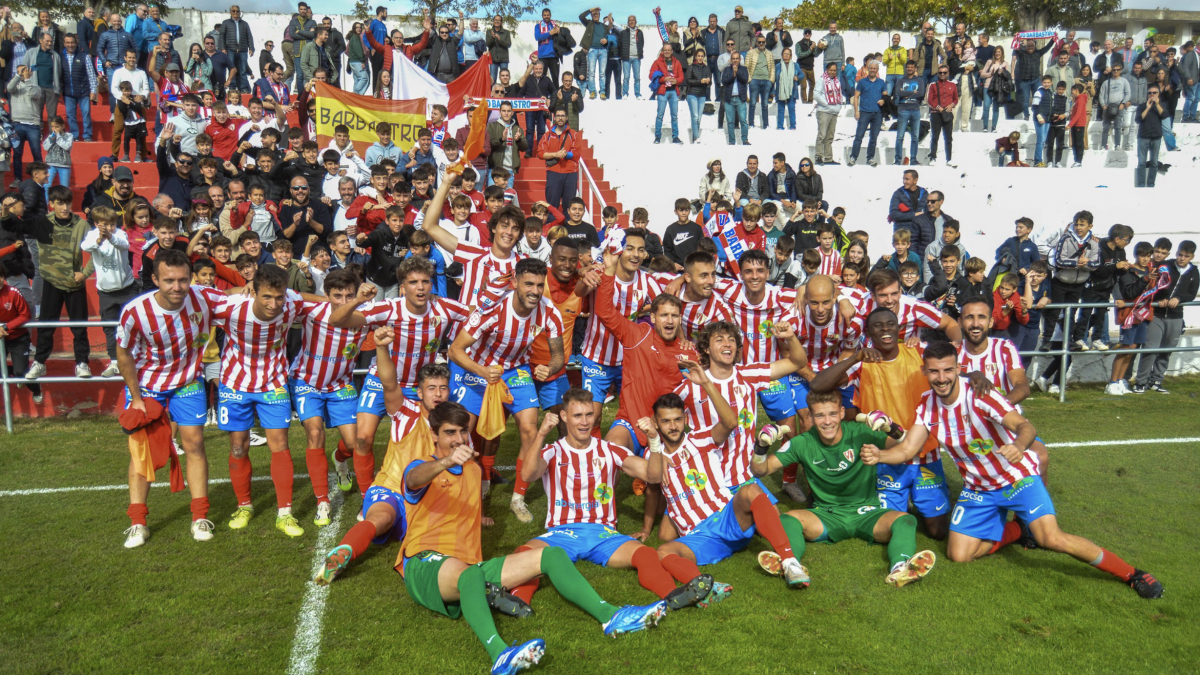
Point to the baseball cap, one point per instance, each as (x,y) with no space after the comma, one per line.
(173,66)
(738,8)
(102,161)
(122,173)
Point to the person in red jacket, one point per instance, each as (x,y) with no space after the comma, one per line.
(942,97)
(224,132)
(558,144)
(258,207)
(410,51)
(369,210)
(14,314)
(1009,313)
(669,72)
(1078,123)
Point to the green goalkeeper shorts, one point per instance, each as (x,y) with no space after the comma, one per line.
(421,580)
(848,522)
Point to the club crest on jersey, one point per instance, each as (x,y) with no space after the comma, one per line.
(535,331)
(599,463)
(603,493)
(980,446)
(196,317)
(350,351)
(474,320)
(696,478)
(849,455)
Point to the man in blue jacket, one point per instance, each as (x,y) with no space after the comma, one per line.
(544,33)
(781,187)
(908,201)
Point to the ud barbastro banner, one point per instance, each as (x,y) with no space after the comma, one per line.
(361,114)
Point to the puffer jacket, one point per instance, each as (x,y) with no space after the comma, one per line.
(692,79)
(1066,263)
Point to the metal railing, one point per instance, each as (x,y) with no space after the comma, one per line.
(589,191)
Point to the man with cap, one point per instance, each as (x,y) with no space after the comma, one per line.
(805,55)
(741,31)
(120,196)
(170,88)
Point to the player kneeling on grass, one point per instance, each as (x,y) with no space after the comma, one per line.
(579,473)
(382,517)
(990,442)
(442,559)
(714,522)
(847,504)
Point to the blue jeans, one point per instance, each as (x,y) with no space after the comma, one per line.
(760,90)
(1147,166)
(62,173)
(596,59)
(496,68)
(735,116)
(909,121)
(241,61)
(299,75)
(25,134)
(891,81)
(633,66)
(362,76)
(85,106)
(672,99)
(790,105)
(873,121)
(1043,130)
(1191,98)
(1168,125)
(1025,89)
(695,110)
(989,102)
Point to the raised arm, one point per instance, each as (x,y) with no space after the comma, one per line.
(393,393)
(797,356)
(418,476)
(433,214)
(348,316)
(726,417)
(532,464)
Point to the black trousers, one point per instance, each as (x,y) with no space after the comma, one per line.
(376,66)
(936,125)
(551,66)
(53,301)
(1059,292)
(1077,134)
(612,71)
(1055,143)
(18,352)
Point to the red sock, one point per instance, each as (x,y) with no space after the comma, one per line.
(239,475)
(199,508)
(318,472)
(681,568)
(519,484)
(1112,563)
(282,475)
(651,574)
(766,519)
(342,453)
(789,473)
(137,514)
(1012,532)
(488,463)
(526,590)
(359,537)
(364,471)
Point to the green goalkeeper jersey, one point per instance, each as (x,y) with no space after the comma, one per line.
(835,472)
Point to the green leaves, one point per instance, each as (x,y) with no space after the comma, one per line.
(1001,17)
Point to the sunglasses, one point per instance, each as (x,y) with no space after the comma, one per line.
(805,165)
(185,162)
(302,188)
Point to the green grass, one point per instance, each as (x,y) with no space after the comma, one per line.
(74,601)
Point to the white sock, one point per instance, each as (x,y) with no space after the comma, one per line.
(285,511)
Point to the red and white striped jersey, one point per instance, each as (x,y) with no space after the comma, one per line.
(167,346)
(255,356)
(831,264)
(740,390)
(857,297)
(969,429)
(824,343)
(995,362)
(169,92)
(327,354)
(757,321)
(694,482)
(911,314)
(418,336)
(503,337)
(599,344)
(483,273)
(697,315)
(406,419)
(580,484)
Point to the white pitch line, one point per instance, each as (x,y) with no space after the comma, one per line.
(1142,441)
(306,645)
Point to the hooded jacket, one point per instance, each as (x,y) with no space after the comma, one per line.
(1072,259)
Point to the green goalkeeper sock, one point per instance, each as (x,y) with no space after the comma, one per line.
(904,539)
(795,533)
(472,599)
(572,586)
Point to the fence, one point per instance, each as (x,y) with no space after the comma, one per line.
(589,192)
(1064,353)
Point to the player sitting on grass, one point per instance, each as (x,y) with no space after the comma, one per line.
(990,442)
(714,522)
(579,473)
(846,504)
(382,516)
(442,559)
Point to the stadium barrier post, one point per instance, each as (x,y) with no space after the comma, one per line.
(4,381)
(1066,351)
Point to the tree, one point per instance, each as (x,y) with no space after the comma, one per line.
(511,10)
(363,11)
(1042,14)
(993,16)
(72,10)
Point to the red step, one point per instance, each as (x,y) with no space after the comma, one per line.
(103,396)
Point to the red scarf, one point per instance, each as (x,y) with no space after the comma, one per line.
(833,89)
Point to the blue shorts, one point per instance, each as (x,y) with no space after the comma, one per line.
(754,481)
(924,484)
(467,389)
(592,542)
(981,514)
(236,409)
(638,449)
(1135,335)
(551,393)
(599,379)
(371,400)
(718,537)
(378,493)
(777,400)
(187,406)
(800,389)
(336,407)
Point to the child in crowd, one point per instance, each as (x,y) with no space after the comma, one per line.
(1035,295)
(785,271)
(1132,317)
(57,146)
(115,284)
(533,244)
(1009,315)
(831,260)
(901,252)
(654,245)
(950,237)
(246,266)
(1018,252)
(748,230)
(1072,260)
(1060,110)
(910,279)
(421,245)
(856,252)
(1166,327)
(134,114)
(1099,288)
(500,178)
(1008,150)
(1078,123)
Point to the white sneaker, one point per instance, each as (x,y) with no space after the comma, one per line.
(111,370)
(324,514)
(1053,390)
(211,420)
(36,370)
(202,529)
(932,161)
(520,509)
(256,440)
(1114,389)
(38,398)
(1100,345)
(951,163)
(136,535)
(82,370)
(1076,165)
(1081,345)
(178,450)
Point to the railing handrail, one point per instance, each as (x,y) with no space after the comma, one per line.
(588,186)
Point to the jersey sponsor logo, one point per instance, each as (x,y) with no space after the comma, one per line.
(279,395)
(842,466)
(980,446)
(767,328)
(429,556)
(350,351)
(696,478)
(887,482)
(603,493)
(745,418)
(200,341)
(1017,487)
(970,496)
(520,379)
(866,509)
(432,346)
(928,479)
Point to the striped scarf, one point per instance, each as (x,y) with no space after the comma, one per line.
(1032,35)
(1141,307)
(833,89)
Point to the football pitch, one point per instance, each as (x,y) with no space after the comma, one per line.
(75,601)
